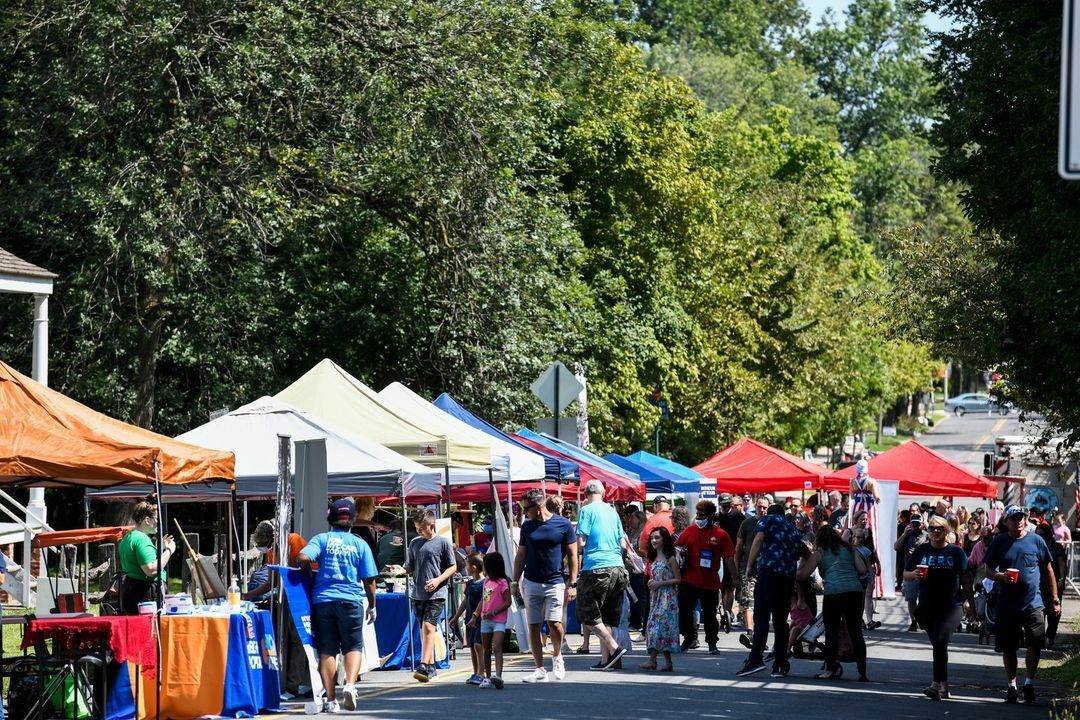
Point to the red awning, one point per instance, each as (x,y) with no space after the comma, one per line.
(754,467)
(78,537)
(920,471)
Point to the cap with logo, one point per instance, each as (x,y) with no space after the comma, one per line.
(341,509)
(1014,510)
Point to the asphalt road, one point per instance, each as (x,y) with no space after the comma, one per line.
(966,438)
(704,686)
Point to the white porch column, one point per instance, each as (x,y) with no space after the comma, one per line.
(40,372)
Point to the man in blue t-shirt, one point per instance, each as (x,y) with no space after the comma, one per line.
(337,617)
(545,540)
(1020,613)
(601,542)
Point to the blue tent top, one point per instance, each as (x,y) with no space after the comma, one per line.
(554,468)
(577,453)
(647,458)
(656,479)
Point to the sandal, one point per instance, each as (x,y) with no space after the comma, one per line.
(647,666)
(582,651)
(829,675)
(669,668)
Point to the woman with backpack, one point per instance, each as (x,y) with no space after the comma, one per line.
(840,565)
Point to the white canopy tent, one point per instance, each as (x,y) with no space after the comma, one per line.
(354,465)
(509,461)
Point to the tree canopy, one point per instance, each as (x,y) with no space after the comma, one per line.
(684,197)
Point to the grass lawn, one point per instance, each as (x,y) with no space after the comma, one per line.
(887,443)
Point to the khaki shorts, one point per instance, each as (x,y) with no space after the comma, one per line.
(543,601)
(600,595)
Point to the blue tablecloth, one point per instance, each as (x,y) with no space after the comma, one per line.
(392,629)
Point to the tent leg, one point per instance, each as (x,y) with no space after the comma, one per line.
(451,591)
(160,598)
(86,548)
(408,587)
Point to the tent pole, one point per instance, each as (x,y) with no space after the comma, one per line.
(408,588)
(160,598)
(231,530)
(243,555)
(86,546)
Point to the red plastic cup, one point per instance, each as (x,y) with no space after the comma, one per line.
(921,571)
(1013,574)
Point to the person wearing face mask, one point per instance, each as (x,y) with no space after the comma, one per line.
(264,539)
(143,568)
(261,585)
(707,546)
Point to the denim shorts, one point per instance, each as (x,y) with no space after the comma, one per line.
(338,627)
(490,626)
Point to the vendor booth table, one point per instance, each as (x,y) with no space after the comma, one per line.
(392,629)
(211,664)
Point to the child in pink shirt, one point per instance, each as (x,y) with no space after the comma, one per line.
(492,615)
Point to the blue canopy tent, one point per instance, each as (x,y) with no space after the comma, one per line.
(555,468)
(662,463)
(656,479)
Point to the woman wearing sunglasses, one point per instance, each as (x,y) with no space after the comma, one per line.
(938,566)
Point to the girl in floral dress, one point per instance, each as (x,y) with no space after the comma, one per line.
(662,632)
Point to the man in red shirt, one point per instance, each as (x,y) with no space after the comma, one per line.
(706,545)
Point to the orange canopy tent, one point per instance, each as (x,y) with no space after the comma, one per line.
(49,440)
(754,467)
(920,471)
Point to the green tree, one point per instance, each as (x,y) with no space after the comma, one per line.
(1008,297)
(874,66)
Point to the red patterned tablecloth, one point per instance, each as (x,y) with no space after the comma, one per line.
(130,637)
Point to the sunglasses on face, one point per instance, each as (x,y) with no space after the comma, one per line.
(937,529)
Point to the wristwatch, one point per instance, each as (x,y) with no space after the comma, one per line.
(573,585)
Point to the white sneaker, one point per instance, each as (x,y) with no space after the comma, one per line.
(331,707)
(348,697)
(539,675)
(485,683)
(558,667)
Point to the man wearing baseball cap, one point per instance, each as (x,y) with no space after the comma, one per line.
(1018,561)
(338,599)
(730,518)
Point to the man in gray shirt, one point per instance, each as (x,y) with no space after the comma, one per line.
(432,562)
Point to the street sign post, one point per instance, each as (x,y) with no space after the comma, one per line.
(556,387)
(1069,124)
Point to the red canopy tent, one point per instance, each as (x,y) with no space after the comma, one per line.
(920,471)
(752,466)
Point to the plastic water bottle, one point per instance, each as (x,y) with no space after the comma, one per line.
(234,594)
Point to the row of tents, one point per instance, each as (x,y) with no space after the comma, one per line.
(388,444)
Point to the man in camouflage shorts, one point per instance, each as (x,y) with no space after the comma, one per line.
(749,581)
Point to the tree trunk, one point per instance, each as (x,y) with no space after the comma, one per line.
(146,378)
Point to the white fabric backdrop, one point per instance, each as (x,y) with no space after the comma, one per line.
(885,538)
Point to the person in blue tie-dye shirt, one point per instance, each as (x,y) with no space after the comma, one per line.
(775,555)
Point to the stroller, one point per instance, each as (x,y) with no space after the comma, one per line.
(810,644)
(985,610)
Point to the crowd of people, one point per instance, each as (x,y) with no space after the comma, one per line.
(772,567)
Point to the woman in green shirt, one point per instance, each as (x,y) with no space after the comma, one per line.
(139,558)
(840,565)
